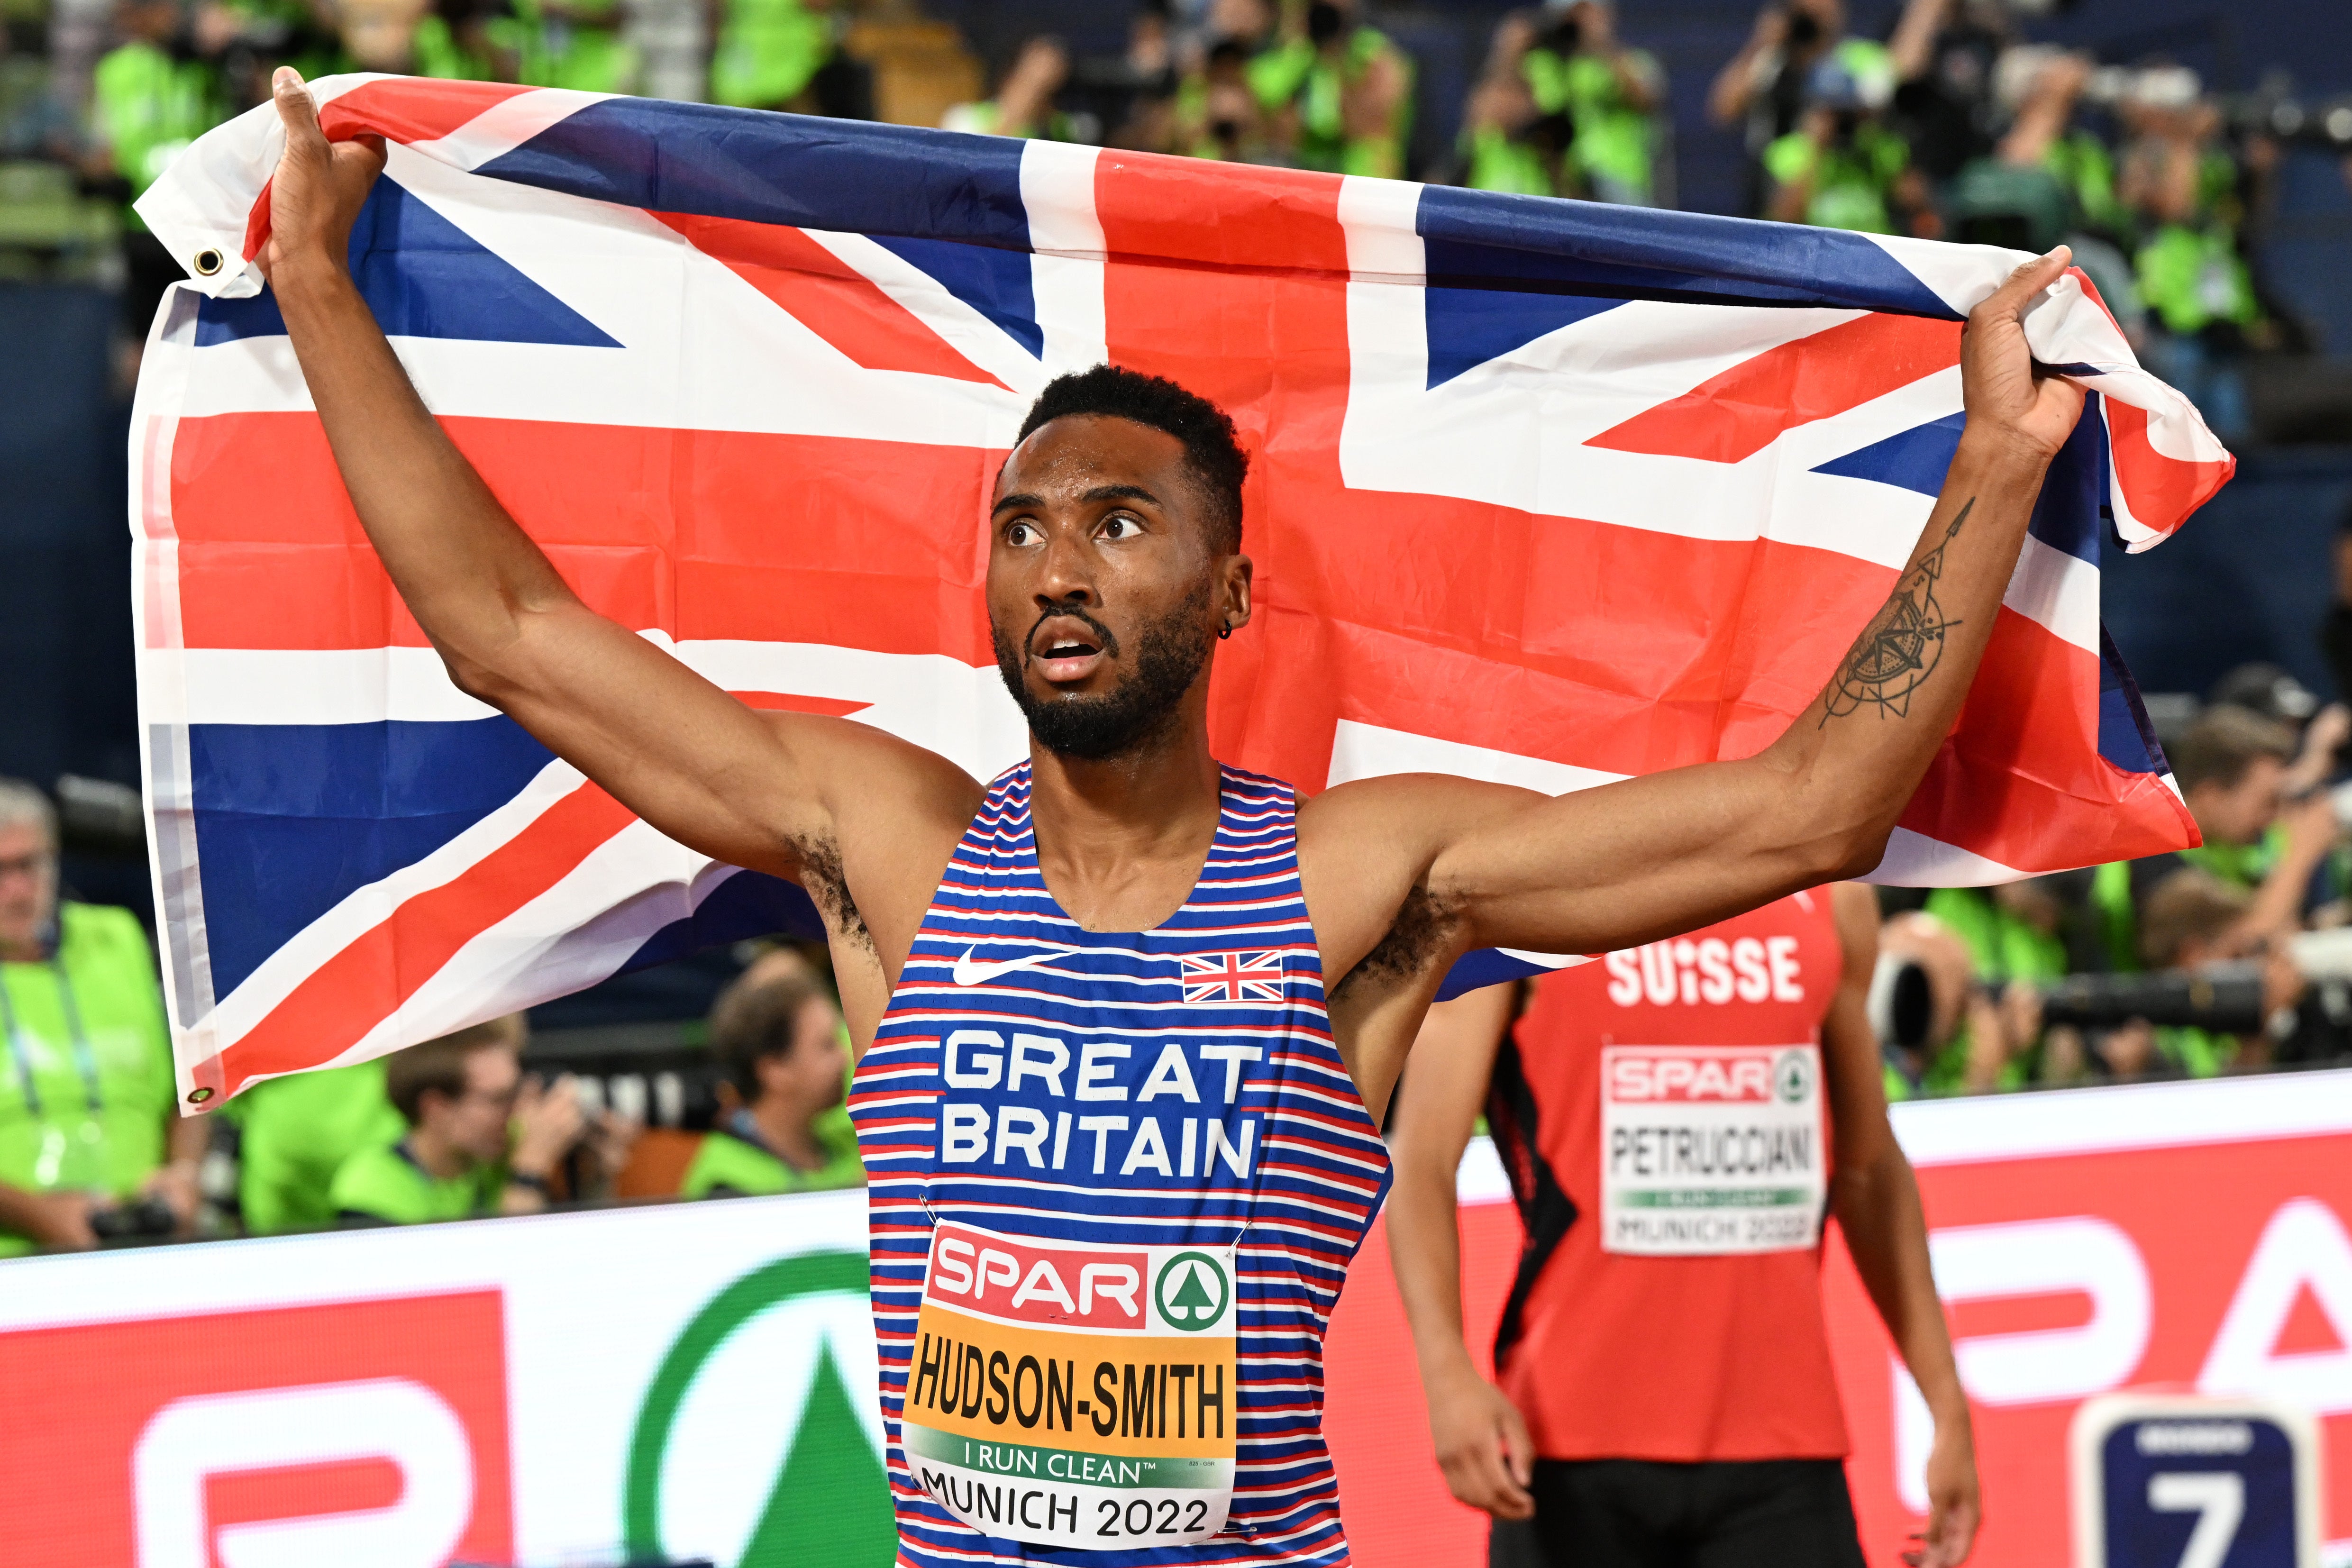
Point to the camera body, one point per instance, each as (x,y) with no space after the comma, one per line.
(132,1224)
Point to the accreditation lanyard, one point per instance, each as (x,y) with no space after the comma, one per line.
(85,1058)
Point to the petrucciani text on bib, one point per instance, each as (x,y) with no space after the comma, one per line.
(1711,1149)
(1072,1394)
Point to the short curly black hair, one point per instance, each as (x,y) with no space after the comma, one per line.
(1211,448)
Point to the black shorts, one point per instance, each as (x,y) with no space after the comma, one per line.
(1642,1513)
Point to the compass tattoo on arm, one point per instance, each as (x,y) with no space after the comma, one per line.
(1901,647)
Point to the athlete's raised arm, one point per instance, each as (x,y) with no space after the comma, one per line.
(763,790)
(1482,866)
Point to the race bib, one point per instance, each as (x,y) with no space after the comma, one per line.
(1710,1149)
(1074,1395)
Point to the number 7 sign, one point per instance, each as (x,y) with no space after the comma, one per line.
(2180,1481)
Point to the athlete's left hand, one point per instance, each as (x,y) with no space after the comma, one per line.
(1953,1506)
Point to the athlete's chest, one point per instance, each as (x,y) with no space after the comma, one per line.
(1107,1062)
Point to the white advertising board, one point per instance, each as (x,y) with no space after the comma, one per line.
(664,1382)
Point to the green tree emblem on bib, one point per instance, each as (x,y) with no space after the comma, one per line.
(1792,1075)
(1191,1290)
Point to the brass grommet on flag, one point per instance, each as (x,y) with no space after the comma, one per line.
(199,1096)
(207,263)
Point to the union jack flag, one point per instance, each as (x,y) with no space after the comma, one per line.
(1232,976)
(1542,493)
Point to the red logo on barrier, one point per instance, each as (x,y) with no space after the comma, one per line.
(372,1430)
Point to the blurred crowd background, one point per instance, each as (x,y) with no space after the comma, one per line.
(2196,153)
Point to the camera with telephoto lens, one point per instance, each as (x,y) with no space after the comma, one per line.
(2226,998)
(129,1225)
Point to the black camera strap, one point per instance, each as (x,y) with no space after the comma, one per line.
(85,1058)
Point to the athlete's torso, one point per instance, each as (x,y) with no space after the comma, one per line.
(1673,1095)
(1108,1134)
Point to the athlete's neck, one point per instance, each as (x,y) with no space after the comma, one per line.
(1120,840)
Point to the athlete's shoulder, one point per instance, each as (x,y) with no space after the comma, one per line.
(863,765)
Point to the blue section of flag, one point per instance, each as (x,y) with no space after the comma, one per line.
(424,276)
(1486,966)
(1915,459)
(843,175)
(992,281)
(1467,326)
(290,819)
(2066,513)
(1485,239)
(746,905)
(2126,737)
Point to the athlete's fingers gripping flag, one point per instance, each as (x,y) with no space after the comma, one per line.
(1541,491)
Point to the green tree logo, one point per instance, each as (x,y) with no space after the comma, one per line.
(1792,1075)
(1191,1289)
(829,1502)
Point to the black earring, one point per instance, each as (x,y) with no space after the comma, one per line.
(1225,631)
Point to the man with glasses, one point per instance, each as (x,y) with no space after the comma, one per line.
(481,1139)
(88,1146)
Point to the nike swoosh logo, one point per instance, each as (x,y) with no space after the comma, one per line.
(967,972)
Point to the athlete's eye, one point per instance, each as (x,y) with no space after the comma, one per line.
(1120,528)
(1021,533)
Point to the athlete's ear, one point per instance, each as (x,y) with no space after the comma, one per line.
(1233,580)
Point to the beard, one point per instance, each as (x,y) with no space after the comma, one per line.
(1169,656)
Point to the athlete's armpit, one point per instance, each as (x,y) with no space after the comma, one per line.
(822,877)
(1422,936)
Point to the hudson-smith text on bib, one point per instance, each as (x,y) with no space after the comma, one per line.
(1073,1393)
(1710,1149)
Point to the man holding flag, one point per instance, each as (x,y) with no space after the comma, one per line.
(1129,1018)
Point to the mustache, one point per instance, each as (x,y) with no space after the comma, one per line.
(1072,610)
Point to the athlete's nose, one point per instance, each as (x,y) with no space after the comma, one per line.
(1066,574)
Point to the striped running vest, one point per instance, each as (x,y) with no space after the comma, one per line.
(1115,1180)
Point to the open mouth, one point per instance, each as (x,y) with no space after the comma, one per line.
(1067,649)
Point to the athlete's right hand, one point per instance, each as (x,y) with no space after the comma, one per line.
(1483,1447)
(320,186)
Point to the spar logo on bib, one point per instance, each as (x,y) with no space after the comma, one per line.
(755,1445)
(1192,1292)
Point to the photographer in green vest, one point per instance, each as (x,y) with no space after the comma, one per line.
(91,1150)
(779,1039)
(1611,94)
(482,1138)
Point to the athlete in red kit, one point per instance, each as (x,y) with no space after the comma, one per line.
(1676,1119)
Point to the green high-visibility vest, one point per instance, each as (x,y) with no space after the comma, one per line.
(1850,185)
(1612,152)
(385,1185)
(727,1162)
(298,1132)
(767,53)
(86,1084)
(147,107)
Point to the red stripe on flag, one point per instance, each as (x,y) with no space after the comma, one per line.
(2021,779)
(412,108)
(792,702)
(871,544)
(828,296)
(1728,418)
(2161,491)
(367,981)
